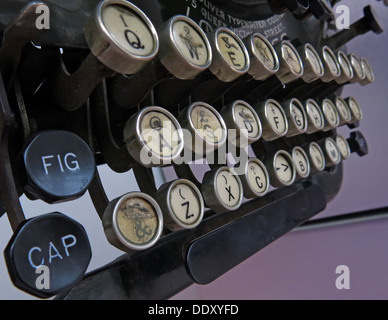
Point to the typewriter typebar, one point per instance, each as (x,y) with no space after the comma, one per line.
(252,92)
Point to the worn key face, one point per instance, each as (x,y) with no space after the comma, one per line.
(133,221)
(186,204)
(153,137)
(265,52)
(333,156)
(281,169)
(273,118)
(128,30)
(231,50)
(291,65)
(121,36)
(292,58)
(317,157)
(346,68)
(369,74)
(313,67)
(181,203)
(301,162)
(359,74)
(228,188)
(157,130)
(48,254)
(207,124)
(241,117)
(330,63)
(190,42)
(355,109)
(343,110)
(230,56)
(276,118)
(343,147)
(207,127)
(315,117)
(185,50)
(331,115)
(264,60)
(314,60)
(222,190)
(59,165)
(296,117)
(255,181)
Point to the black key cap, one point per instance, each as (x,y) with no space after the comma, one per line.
(59,166)
(47,254)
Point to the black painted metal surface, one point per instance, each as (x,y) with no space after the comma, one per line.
(201,255)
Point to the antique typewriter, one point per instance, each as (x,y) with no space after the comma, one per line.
(236,102)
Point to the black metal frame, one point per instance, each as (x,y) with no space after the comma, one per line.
(201,255)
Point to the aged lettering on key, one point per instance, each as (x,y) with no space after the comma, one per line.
(292,59)
(247,120)
(185,204)
(191,45)
(137,221)
(264,53)
(128,30)
(128,33)
(207,124)
(231,50)
(228,188)
(276,118)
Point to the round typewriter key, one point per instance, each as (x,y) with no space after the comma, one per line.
(59,166)
(343,146)
(208,129)
(222,190)
(369,74)
(48,254)
(343,110)
(315,119)
(296,117)
(153,137)
(263,57)
(230,56)
(240,116)
(184,48)
(330,114)
(355,109)
(255,181)
(181,203)
(333,155)
(346,68)
(281,169)
(133,222)
(317,157)
(359,74)
(330,64)
(273,119)
(290,62)
(313,67)
(301,162)
(121,36)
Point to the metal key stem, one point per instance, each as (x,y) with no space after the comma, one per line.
(368,23)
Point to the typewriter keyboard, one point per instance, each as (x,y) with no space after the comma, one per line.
(143,93)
